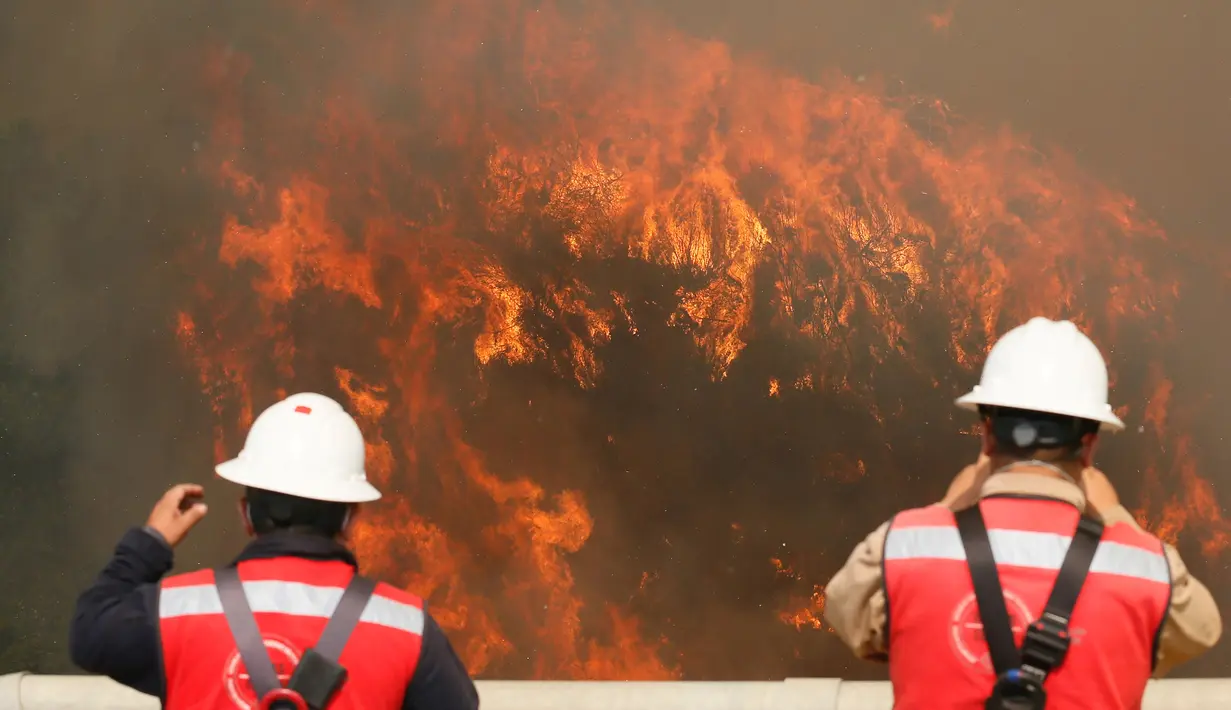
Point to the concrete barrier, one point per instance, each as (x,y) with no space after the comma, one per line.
(23,691)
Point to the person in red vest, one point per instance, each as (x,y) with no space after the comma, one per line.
(1029,585)
(290,623)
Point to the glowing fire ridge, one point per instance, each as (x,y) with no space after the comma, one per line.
(496,180)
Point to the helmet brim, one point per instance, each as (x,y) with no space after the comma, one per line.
(1108,421)
(243,473)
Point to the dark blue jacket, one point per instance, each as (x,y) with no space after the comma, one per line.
(115,626)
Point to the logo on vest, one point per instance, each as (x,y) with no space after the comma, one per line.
(235,676)
(966,628)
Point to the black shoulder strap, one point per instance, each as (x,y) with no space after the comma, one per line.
(997,629)
(244,630)
(345,617)
(261,672)
(1047,639)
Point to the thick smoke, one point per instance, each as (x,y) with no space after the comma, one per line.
(103,206)
(98,411)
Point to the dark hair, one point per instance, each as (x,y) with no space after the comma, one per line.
(1020,432)
(270,512)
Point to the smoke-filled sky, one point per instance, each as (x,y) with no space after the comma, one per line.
(115,120)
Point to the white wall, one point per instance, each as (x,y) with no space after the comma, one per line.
(21,691)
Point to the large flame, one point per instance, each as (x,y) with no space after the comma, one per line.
(458,188)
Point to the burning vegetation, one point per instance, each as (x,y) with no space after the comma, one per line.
(575,208)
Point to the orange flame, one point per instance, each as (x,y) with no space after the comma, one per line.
(510,183)
(809,612)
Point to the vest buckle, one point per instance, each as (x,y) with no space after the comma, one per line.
(1017,690)
(283,699)
(1047,642)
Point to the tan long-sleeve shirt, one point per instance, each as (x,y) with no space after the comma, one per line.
(855,597)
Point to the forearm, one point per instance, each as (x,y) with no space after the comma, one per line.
(855,599)
(113,631)
(1193,623)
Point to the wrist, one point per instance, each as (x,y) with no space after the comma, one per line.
(146,557)
(158,536)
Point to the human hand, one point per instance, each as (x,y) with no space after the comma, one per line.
(177,512)
(1101,496)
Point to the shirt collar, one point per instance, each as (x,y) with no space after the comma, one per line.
(293,544)
(1024,483)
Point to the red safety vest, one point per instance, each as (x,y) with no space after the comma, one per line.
(292,598)
(938,658)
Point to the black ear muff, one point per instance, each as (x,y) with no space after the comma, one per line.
(1025,434)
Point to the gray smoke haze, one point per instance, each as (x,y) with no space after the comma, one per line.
(102,115)
(98,412)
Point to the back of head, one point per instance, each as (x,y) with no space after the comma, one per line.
(1022,434)
(303,466)
(269,511)
(1043,389)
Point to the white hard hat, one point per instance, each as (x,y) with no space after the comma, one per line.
(306,446)
(1046,366)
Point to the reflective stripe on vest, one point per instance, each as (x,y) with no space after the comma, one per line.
(1022,548)
(295,598)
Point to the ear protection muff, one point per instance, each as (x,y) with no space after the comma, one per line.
(1027,431)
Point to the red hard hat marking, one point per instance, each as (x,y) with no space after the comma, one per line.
(303,410)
